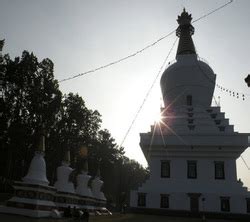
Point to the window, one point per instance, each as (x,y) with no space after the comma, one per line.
(217,121)
(225,204)
(191,127)
(165,169)
(141,200)
(164,201)
(213,115)
(219,170)
(248,205)
(189,100)
(192,169)
(222,128)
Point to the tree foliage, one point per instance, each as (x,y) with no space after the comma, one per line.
(32,100)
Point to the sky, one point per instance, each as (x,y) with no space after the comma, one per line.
(80,35)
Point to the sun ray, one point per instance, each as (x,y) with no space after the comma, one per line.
(151,141)
(159,121)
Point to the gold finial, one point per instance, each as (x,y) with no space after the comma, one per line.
(67,157)
(41,145)
(184,18)
(86,166)
(184,31)
(98,172)
(83,152)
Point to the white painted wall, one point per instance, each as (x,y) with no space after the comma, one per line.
(178,185)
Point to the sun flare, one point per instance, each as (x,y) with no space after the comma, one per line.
(158,118)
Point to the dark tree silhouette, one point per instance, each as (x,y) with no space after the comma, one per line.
(32,100)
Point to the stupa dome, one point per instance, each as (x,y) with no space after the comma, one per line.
(188,81)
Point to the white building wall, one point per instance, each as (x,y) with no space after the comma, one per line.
(178,185)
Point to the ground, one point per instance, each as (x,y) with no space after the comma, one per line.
(114,218)
(149,218)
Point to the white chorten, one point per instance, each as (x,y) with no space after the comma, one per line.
(192,152)
(63,172)
(96,185)
(37,170)
(83,181)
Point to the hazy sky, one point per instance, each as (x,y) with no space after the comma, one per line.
(78,35)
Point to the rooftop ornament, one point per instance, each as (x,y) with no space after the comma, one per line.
(184,31)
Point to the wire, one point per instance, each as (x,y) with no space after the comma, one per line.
(148,92)
(216,103)
(120,60)
(213,11)
(143,49)
(234,92)
(244,162)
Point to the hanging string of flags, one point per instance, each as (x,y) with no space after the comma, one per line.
(233,93)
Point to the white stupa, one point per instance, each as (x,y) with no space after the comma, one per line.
(33,196)
(63,184)
(82,182)
(96,185)
(192,152)
(37,170)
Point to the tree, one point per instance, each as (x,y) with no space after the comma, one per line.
(32,98)
(76,126)
(33,101)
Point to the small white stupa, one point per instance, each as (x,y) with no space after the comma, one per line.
(63,172)
(96,187)
(82,182)
(33,196)
(37,170)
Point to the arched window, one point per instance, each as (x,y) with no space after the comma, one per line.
(189,100)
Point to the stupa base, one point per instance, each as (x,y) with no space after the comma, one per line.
(25,212)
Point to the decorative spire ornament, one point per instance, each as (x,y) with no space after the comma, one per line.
(86,166)
(66,158)
(41,144)
(184,32)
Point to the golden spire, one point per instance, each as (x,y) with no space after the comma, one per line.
(98,172)
(185,31)
(66,158)
(83,151)
(41,144)
(85,166)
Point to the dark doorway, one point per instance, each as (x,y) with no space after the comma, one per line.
(194,204)
(194,201)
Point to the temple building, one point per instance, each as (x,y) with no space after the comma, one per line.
(192,151)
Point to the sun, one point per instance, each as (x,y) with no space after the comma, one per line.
(158,118)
